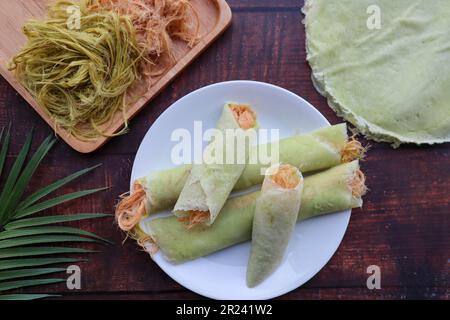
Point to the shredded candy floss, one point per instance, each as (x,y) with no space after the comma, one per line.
(194,218)
(127,213)
(244,115)
(358,184)
(81,77)
(286,177)
(157,24)
(353,149)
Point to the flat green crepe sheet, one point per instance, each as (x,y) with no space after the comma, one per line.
(318,150)
(276,214)
(209,185)
(391,83)
(323,193)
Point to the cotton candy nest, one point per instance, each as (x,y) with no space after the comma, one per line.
(384,65)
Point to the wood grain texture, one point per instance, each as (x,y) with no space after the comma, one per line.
(403,226)
(214,19)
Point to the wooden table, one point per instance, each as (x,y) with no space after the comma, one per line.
(403,227)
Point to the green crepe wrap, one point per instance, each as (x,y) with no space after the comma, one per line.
(318,150)
(276,214)
(209,184)
(384,65)
(339,188)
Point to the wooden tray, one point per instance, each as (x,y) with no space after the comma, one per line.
(215,17)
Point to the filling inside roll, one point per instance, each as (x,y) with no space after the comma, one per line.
(194,217)
(131,208)
(244,115)
(246,119)
(357,184)
(286,177)
(353,150)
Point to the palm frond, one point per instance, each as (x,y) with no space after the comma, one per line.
(12,177)
(54,202)
(11,234)
(24,241)
(24,263)
(52,187)
(19,188)
(39,251)
(4,149)
(6,286)
(22,273)
(25,297)
(21,256)
(40,221)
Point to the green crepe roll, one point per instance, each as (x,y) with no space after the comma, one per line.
(276,214)
(319,150)
(339,188)
(210,183)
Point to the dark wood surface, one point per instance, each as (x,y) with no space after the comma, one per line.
(403,226)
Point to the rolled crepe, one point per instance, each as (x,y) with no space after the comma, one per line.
(319,150)
(209,184)
(276,214)
(339,188)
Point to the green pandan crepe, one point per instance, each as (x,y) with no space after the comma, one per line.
(336,189)
(276,213)
(391,82)
(209,185)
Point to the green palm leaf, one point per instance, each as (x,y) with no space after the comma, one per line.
(32,222)
(21,235)
(24,241)
(50,188)
(54,202)
(4,150)
(13,175)
(38,251)
(11,234)
(23,263)
(5,286)
(23,273)
(25,297)
(11,202)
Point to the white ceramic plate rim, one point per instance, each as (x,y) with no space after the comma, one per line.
(163,264)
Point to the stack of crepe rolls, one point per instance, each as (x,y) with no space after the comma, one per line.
(319,150)
(333,190)
(276,214)
(210,183)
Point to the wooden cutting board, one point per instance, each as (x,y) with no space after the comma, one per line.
(215,17)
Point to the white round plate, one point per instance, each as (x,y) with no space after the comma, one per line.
(223,275)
